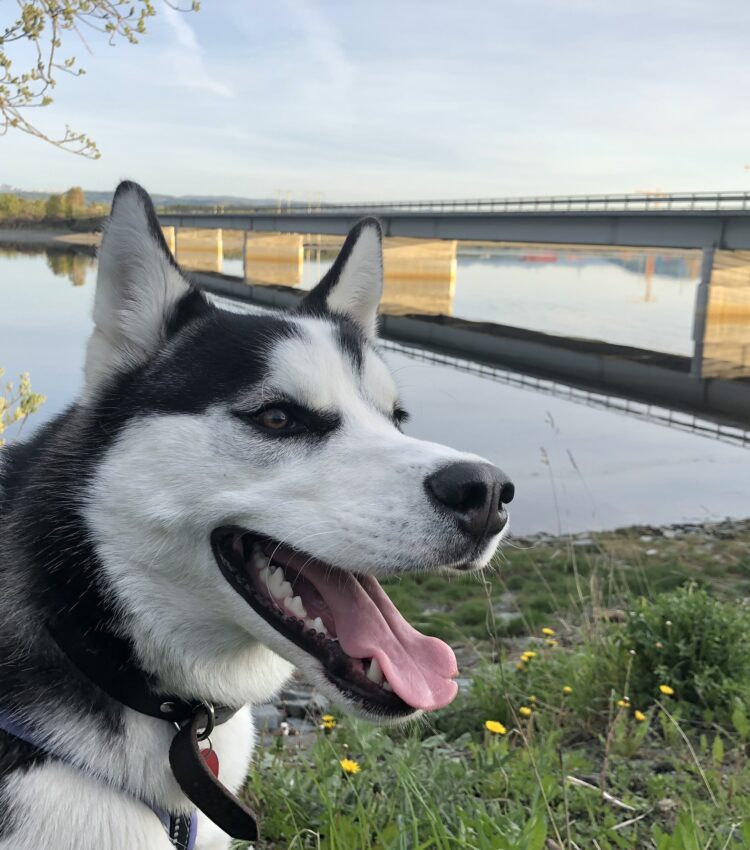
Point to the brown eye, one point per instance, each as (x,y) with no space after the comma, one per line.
(275,419)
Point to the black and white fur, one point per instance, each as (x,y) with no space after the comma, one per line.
(107,511)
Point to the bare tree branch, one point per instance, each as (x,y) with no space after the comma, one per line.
(45,24)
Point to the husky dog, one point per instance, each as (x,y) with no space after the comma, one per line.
(216,506)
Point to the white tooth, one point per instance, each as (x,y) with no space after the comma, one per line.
(285,590)
(295,606)
(374,673)
(275,580)
(387,687)
(319,626)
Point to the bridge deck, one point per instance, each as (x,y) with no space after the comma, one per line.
(667,228)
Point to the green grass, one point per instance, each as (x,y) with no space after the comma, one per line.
(581,771)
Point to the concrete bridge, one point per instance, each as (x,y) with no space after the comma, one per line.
(701,220)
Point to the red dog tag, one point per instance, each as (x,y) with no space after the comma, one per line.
(212,761)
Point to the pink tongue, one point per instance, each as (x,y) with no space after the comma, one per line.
(368,625)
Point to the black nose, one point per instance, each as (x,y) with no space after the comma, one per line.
(475,494)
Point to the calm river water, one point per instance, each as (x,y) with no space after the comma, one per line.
(576,467)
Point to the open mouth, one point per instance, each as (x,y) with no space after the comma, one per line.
(344,620)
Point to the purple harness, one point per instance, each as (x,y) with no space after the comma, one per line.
(181,829)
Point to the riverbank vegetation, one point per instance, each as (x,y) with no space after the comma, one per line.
(17,402)
(67,208)
(605,704)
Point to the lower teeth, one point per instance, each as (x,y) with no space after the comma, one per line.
(374,673)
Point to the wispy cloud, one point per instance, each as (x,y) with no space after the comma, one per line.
(186,61)
(321,41)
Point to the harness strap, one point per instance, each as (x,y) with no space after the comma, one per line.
(181,829)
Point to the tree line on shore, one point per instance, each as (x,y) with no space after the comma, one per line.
(65,207)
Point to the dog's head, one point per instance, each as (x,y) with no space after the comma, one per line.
(259,482)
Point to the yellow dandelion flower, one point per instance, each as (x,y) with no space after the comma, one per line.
(350,766)
(328,718)
(624,702)
(532,699)
(520,666)
(525,711)
(528,655)
(548,632)
(666,690)
(639,716)
(551,642)
(567,690)
(495,727)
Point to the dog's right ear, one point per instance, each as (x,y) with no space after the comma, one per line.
(138,287)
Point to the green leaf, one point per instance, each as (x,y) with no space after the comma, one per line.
(534,834)
(717,751)
(740,721)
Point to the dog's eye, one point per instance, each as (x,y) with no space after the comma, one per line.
(275,419)
(288,419)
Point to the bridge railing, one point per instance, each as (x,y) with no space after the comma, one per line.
(645,201)
(560,203)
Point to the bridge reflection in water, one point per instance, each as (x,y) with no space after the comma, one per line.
(420,274)
(420,280)
(726,335)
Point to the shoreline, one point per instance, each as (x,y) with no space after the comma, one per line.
(48,237)
(723,528)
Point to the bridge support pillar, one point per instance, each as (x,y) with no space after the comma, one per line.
(420,276)
(200,250)
(725,341)
(273,258)
(701,308)
(169,238)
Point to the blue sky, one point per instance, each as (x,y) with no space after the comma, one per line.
(410,99)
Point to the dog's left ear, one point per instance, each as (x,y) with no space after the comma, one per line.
(138,288)
(353,285)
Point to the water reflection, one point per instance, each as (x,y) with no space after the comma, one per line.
(71,263)
(536,287)
(638,298)
(643,299)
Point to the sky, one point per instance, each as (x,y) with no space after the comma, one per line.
(408,99)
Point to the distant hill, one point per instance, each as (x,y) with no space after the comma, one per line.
(95,197)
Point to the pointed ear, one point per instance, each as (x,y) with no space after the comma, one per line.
(138,287)
(353,285)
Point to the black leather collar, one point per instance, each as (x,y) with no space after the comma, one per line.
(109,663)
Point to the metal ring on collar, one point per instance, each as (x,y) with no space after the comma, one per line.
(210,720)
